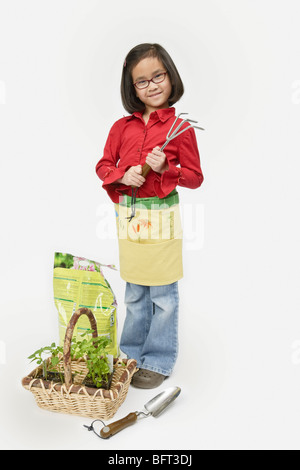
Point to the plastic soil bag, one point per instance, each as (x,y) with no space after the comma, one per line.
(79,282)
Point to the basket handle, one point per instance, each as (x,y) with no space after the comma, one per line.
(68,338)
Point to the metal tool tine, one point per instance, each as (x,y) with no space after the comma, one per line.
(191,120)
(181,124)
(177,129)
(171,128)
(180,114)
(186,128)
(175,133)
(175,120)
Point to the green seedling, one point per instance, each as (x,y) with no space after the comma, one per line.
(93,350)
(53,352)
(89,348)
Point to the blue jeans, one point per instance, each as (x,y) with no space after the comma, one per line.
(150,332)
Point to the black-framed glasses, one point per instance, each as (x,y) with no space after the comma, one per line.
(158,78)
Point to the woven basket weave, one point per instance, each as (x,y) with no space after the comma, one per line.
(75,398)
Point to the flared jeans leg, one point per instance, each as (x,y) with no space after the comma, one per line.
(150,332)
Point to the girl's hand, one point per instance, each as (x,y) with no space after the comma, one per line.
(133,177)
(157,160)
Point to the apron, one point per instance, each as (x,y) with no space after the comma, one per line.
(150,245)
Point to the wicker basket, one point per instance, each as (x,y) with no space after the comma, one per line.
(75,398)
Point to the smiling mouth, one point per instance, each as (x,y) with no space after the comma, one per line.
(155,94)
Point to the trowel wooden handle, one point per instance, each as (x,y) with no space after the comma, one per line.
(117,426)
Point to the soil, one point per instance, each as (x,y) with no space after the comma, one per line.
(105,384)
(51,376)
(56,378)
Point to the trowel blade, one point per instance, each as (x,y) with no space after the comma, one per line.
(156,405)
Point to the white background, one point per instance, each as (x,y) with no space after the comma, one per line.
(239,360)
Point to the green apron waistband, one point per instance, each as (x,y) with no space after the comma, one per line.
(152,202)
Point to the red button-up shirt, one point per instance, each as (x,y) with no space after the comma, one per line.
(129,142)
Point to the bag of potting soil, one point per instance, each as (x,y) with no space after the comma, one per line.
(79,282)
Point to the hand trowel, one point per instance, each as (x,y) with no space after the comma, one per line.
(154,408)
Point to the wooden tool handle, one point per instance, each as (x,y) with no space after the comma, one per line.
(117,426)
(145,170)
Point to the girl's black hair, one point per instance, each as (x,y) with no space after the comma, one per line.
(128,94)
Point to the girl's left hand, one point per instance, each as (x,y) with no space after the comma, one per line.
(157,160)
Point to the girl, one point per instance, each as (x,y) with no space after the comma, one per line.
(150,239)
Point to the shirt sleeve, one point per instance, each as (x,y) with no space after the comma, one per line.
(107,167)
(188,174)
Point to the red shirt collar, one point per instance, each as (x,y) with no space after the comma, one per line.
(162,114)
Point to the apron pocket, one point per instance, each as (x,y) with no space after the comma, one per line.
(152,264)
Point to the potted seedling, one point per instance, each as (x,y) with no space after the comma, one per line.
(89,349)
(97,361)
(48,359)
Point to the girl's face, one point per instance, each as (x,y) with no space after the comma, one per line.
(156,95)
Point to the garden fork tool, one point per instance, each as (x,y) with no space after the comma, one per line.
(170,136)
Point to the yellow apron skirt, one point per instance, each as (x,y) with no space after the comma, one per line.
(150,245)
